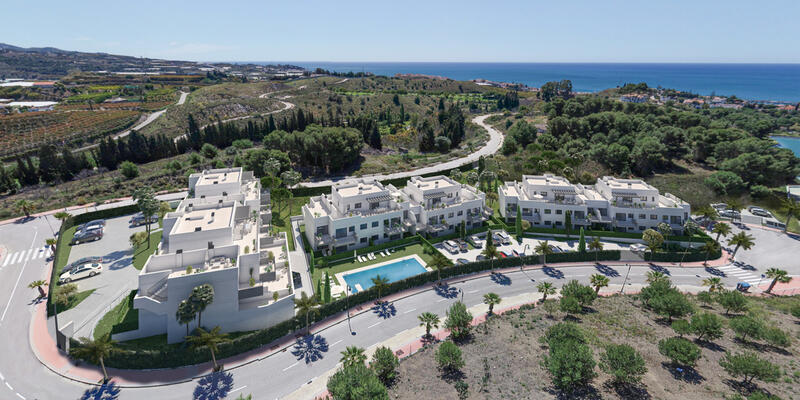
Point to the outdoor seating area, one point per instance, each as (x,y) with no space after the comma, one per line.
(372,257)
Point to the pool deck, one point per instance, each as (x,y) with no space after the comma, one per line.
(337,289)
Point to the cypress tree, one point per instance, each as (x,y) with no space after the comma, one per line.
(582,243)
(327,287)
(518,223)
(320,295)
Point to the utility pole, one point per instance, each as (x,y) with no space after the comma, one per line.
(621,290)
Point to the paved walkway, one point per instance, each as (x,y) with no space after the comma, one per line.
(300,262)
(491,147)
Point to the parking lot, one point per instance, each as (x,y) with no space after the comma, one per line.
(118,278)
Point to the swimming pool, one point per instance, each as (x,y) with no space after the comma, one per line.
(395,271)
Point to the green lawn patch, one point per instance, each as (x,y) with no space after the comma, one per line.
(281,212)
(399,252)
(121,318)
(141,252)
(76,299)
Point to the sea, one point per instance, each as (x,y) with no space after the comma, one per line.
(759,82)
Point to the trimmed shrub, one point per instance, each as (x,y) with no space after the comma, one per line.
(679,350)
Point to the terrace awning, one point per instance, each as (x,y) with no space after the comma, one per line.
(434,195)
(385,197)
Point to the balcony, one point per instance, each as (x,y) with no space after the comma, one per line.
(350,238)
(436,228)
(322,239)
(394,229)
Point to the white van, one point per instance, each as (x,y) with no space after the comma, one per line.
(450,246)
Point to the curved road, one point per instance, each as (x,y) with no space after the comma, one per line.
(491,147)
(281,373)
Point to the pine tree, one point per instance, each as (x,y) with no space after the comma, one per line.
(327,288)
(375,138)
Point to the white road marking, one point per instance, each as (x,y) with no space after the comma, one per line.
(291,366)
(413,309)
(2,378)
(9,386)
(238,389)
(440,300)
(14,289)
(11,258)
(377,323)
(20,396)
(473,291)
(28,256)
(340,341)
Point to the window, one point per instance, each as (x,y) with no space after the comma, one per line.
(351,229)
(357,205)
(374,224)
(450,215)
(548,222)
(363,226)
(460,213)
(665,218)
(559,212)
(544,194)
(641,228)
(373,206)
(558,223)
(386,222)
(642,216)
(363,240)
(548,211)
(653,216)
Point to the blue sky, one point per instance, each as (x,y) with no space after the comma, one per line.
(499,31)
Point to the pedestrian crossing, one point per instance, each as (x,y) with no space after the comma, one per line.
(22,256)
(750,277)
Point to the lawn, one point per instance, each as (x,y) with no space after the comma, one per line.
(353,264)
(281,212)
(121,318)
(142,252)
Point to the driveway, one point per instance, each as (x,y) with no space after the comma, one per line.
(772,249)
(117,279)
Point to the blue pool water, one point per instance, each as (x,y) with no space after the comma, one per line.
(791,143)
(395,271)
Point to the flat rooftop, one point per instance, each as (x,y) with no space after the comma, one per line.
(359,188)
(551,181)
(215,178)
(634,184)
(435,182)
(208,219)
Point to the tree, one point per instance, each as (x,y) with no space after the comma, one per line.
(518,223)
(291,178)
(792,209)
(672,304)
(185,314)
(721,229)
(137,239)
(679,350)
(129,170)
(62,216)
(384,363)
(583,293)
(736,206)
(380,282)
(39,285)
(272,166)
(709,214)
(681,327)
(439,262)
(428,320)
(543,249)
(356,383)
(741,240)
(96,351)
(732,300)
(306,305)
(714,284)
(570,364)
(353,355)
(490,252)
(569,305)
(705,297)
(665,230)
(163,209)
(148,206)
(749,366)
(327,289)
(706,326)
(653,239)
(776,336)
(25,206)
(545,288)
(582,242)
(210,339)
(202,296)
(655,276)
(209,150)
(745,327)
(777,275)
(458,320)
(448,356)
(63,293)
(491,299)
(708,248)
(598,281)
(597,246)
(623,363)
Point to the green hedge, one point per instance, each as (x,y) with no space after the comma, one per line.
(697,238)
(171,356)
(675,256)
(105,214)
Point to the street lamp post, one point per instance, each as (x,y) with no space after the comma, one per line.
(462,294)
(522,257)
(621,290)
(347,304)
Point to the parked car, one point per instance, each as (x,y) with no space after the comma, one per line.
(92,224)
(462,261)
(719,206)
(505,238)
(556,249)
(138,219)
(730,214)
(462,245)
(84,260)
(82,271)
(480,257)
(773,223)
(87,235)
(503,254)
(450,246)
(476,241)
(760,212)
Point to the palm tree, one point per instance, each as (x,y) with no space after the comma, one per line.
(714,284)
(545,288)
(352,356)
(792,209)
(439,262)
(664,229)
(709,214)
(39,285)
(163,209)
(210,339)
(491,253)
(429,320)
(202,296)
(52,243)
(62,216)
(25,206)
(742,240)
(306,305)
(290,178)
(777,275)
(708,248)
(491,299)
(96,351)
(721,229)
(185,314)
(655,276)
(380,282)
(598,281)
(597,246)
(736,206)
(543,248)
(492,197)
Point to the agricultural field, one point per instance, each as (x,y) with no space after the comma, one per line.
(26,131)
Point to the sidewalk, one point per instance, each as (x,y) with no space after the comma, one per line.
(43,345)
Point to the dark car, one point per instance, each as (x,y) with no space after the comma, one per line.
(139,220)
(82,261)
(462,261)
(87,235)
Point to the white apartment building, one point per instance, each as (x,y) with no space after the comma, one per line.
(628,205)
(218,235)
(363,211)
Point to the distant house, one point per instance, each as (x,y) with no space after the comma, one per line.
(793,191)
(31,105)
(634,98)
(44,84)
